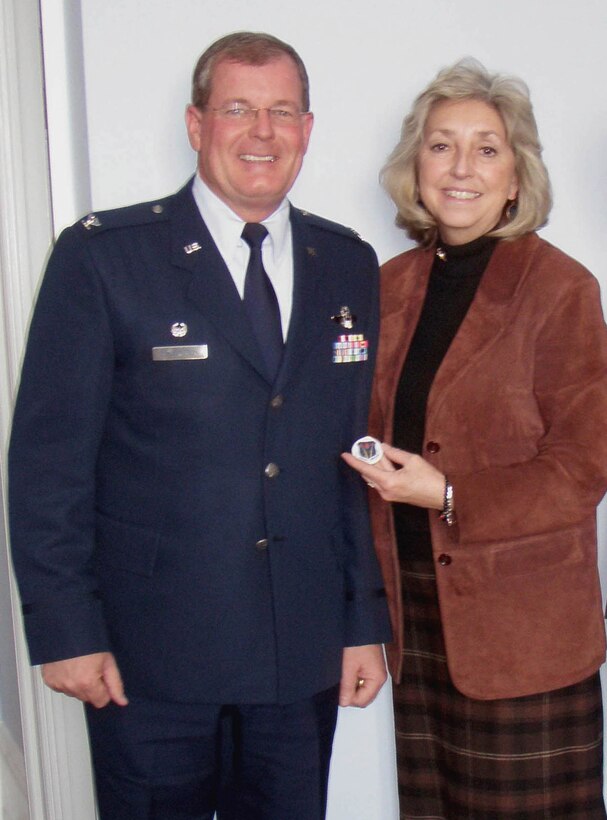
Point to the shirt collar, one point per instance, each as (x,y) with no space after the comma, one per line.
(225,226)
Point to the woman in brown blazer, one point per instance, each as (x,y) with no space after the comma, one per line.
(491,396)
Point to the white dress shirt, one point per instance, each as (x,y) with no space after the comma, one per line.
(226,228)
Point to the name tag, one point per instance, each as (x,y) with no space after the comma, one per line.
(179,353)
(350,347)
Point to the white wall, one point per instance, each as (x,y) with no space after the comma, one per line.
(366,62)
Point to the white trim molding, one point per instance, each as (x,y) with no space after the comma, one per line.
(55,759)
(13,783)
(16,292)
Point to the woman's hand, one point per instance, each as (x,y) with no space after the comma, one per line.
(403,477)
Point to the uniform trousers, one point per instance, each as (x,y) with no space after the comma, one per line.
(179,761)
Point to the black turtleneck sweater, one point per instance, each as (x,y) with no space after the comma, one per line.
(451,289)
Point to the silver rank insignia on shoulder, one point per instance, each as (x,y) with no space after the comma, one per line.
(195,246)
(90,221)
(179,330)
(344,318)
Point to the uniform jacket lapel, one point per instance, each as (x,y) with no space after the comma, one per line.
(214,293)
(212,288)
(306,320)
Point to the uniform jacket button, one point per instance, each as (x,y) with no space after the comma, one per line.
(277,402)
(262,544)
(444,560)
(433,446)
(272,470)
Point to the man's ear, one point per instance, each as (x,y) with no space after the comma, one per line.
(193,122)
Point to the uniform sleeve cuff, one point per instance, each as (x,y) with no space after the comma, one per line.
(67,630)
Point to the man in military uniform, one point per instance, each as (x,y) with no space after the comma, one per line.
(195,563)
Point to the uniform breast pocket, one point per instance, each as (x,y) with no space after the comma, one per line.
(178,370)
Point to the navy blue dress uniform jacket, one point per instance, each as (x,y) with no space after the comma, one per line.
(184,513)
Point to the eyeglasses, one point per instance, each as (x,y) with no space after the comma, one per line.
(279,115)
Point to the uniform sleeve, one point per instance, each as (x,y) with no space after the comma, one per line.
(58,422)
(565,481)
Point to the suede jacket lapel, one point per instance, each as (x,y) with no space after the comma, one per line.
(488,315)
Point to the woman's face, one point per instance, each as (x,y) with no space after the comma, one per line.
(465,169)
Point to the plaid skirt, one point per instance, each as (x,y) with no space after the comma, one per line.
(530,758)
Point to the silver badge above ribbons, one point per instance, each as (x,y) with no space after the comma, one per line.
(344,318)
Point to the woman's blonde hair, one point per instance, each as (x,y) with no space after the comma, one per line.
(468,79)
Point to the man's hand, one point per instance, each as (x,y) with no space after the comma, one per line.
(90,678)
(363,673)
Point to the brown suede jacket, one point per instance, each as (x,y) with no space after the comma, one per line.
(517,418)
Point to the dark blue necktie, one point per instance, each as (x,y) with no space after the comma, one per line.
(260,300)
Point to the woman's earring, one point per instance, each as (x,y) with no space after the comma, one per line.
(511,209)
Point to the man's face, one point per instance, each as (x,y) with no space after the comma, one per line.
(250,165)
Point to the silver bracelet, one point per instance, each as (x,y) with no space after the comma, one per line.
(448,513)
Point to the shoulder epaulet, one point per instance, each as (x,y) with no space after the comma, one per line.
(139,214)
(328,225)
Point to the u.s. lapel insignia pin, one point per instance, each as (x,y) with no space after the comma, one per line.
(345,318)
(195,246)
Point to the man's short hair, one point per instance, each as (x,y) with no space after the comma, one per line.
(250,48)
